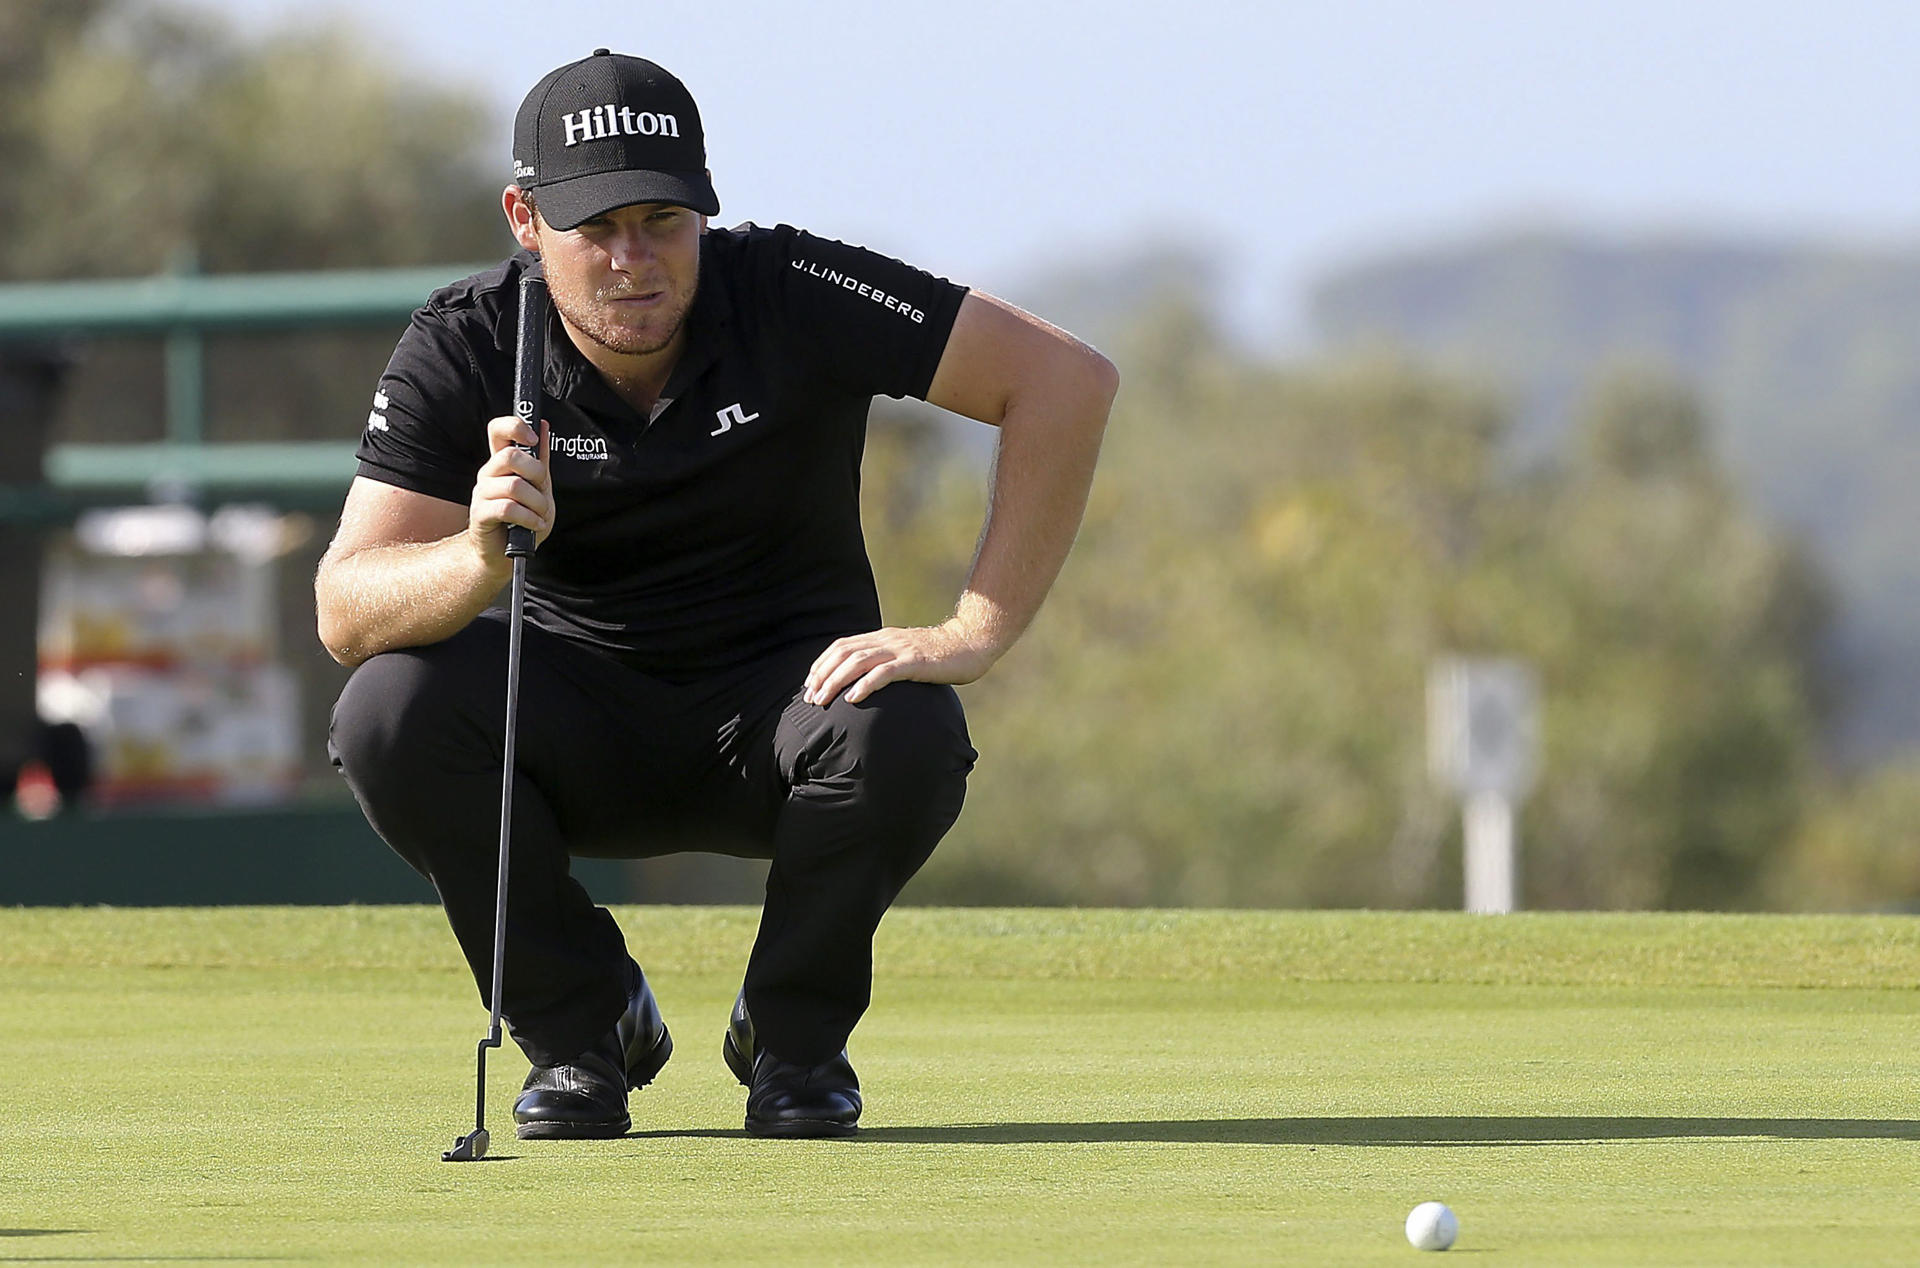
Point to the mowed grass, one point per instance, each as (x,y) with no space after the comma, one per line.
(1043,1087)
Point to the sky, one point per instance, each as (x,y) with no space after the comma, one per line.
(995,141)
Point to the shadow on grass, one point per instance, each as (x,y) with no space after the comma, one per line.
(1403,1131)
(131,1259)
(1417,1131)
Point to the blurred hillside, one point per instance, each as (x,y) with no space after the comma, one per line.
(1806,356)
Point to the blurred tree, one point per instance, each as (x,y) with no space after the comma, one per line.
(1861,847)
(32,33)
(1681,665)
(142,136)
(1643,425)
(1223,702)
(1807,353)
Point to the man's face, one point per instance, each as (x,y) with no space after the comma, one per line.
(625,279)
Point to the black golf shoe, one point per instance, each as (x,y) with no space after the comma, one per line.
(581,1099)
(789,1100)
(644,1042)
(586,1098)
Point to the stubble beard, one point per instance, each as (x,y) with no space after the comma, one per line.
(590,312)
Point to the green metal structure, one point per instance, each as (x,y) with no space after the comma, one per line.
(182,308)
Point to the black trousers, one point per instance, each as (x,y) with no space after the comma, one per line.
(847,801)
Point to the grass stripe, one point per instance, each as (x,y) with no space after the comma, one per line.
(1530,949)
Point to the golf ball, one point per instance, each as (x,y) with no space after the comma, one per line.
(1431,1226)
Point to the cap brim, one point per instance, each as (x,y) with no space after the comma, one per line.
(564,204)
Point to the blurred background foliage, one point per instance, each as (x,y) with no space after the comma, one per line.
(139,137)
(1223,701)
(1805,357)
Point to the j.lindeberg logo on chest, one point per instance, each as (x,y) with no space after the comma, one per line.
(589,448)
(846,281)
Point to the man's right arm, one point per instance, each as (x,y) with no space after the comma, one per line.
(406,568)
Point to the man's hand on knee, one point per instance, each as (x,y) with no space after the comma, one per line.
(861,664)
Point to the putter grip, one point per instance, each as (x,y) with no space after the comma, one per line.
(529,358)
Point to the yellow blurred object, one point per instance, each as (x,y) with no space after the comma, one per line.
(1289,533)
(157,638)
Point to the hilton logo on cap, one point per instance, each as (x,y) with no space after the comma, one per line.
(612,120)
(610,131)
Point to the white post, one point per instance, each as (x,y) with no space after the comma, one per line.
(1490,870)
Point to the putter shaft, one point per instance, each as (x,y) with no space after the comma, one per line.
(529,360)
(473,1146)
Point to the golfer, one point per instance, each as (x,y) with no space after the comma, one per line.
(704,662)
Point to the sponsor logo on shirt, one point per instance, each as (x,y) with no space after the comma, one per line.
(601,122)
(731,417)
(586,448)
(892,303)
(377,421)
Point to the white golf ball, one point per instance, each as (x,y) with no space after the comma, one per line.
(1431,1226)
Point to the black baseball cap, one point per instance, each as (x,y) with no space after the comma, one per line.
(606,131)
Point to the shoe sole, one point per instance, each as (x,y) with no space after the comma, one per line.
(573,1131)
(804,1129)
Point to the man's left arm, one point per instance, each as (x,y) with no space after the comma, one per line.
(1049,394)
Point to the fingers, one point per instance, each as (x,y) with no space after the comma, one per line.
(515,485)
(508,430)
(871,681)
(856,667)
(859,665)
(508,497)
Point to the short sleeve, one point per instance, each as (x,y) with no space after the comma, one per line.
(872,324)
(426,430)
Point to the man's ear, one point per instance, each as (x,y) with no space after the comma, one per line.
(521,218)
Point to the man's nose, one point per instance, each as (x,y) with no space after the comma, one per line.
(631,251)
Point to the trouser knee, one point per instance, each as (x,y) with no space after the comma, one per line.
(889,772)
(917,755)
(411,734)
(401,715)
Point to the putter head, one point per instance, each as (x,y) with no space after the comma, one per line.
(471,1147)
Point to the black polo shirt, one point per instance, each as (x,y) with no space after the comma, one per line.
(728,525)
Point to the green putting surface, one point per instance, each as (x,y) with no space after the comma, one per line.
(261,1084)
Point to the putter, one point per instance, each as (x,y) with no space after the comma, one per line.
(529,357)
